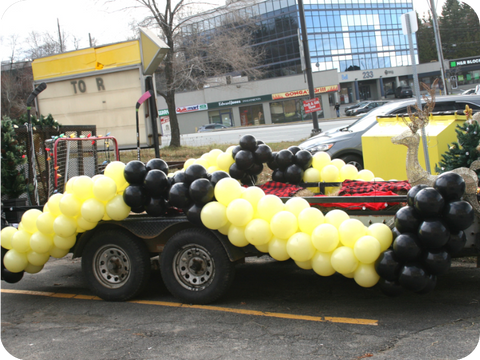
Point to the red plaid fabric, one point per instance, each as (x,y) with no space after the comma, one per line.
(280,189)
(361,206)
(353,187)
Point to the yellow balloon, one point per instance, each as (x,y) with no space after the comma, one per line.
(54,204)
(106,217)
(83,187)
(296,204)
(7,234)
(15,261)
(45,208)
(339,163)
(325,238)
(349,275)
(224,161)
(253,194)
(257,232)
(350,231)
(92,210)
(21,241)
(202,162)
(57,253)
(212,169)
(268,206)
(116,208)
(188,163)
(69,185)
(336,217)
(114,170)
(104,188)
(215,153)
(306,265)
(309,218)
(64,226)
(378,179)
(239,212)
(300,247)
(343,260)
(321,264)
(214,215)
(70,205)
(224,229)
(37,259)
(330,173)
(227,190)
(382,233)
(230,149)
(262,248)
(236,235)
(29,220)
(64,243)
(84,224)
(311,175)
(45,223)
(277,248)
(367,249)
(40,243)
(348,172)
(320,160)
(365,275)
(365,175)
(283,225)
(33,269)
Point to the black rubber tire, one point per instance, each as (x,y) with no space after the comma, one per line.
(123,250)
(214,271)
(355,160)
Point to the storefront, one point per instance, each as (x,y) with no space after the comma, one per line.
(464,73)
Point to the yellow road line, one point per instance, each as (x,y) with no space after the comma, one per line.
(205,307)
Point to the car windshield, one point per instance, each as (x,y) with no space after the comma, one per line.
(365,121)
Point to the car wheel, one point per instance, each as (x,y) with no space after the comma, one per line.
(354,160)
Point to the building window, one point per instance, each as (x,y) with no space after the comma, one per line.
(251,115)
(223,116)
(290,110)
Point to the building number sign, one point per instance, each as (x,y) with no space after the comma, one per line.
(367,74)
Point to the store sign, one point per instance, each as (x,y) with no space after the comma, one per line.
(237,102)
(191,108)
(464,62)
(163,112)
(311,105)
(296,93)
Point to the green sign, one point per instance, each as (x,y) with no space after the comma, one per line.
(163,112)
(475,75)
(469,77)
(453,64)
(237,102)
(460,77)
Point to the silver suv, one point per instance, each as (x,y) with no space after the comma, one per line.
(346,142)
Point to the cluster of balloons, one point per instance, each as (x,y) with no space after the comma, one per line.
(52,232)
(325,243)
(427,232)
(148,186)
(289,165)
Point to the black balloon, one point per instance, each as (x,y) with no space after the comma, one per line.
(10,277)
(294,149)
(293,174)
(436,262)
(255,169)
(235,172)
(459,215)
(249,180)
(456,242)
(178,177)
(450,185)
(138,210)
(263,154)
(248,142)
(278,175)
(391,288)
(235,150)
(218,175)
(272,164)
(284,159)
(433,234)
(407,247)
(156,207)
(156,183)
(303,158)
(429,202)
(135,172)
(387,265)
(431,282)
(157,164)
(194,172)
(201,191)
(179,196)
(395,233)
(413,277)
(134,196)
(260,142)
(407,220)
(412,192)
(244,159)
(193,214)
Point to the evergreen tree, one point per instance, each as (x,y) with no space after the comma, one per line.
(463,152)
(427,50)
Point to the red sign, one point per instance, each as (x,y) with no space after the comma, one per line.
(311,105)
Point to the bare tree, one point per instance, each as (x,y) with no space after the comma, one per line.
(16,82)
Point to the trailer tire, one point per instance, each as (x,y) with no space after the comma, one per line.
(116,265)
(195,266)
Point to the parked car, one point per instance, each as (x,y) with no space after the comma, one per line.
(469,92)
(210,127)
(403,91)
(346,142)
(366,108)
(361,103)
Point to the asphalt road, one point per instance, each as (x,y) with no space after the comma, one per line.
(274,310)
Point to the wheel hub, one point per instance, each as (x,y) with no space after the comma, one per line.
(194,267)
(111,266)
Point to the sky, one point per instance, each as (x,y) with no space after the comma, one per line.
(104,21)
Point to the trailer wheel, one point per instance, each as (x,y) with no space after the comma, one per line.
(116,265)
(195,267)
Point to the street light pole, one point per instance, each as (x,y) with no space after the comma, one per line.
(438,42)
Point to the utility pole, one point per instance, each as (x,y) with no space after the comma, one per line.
(308,65)
(59,37)
(438,41)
